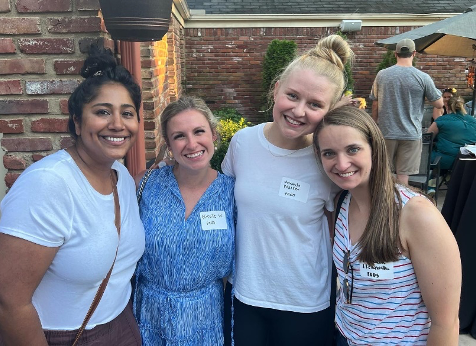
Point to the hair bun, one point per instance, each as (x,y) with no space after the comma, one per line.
(99,61)
(335,49)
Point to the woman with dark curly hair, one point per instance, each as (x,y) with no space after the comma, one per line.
(72,219)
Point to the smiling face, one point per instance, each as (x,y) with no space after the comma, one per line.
(190,138)
(301,101)
(109,125)
(446,97)
(346,156)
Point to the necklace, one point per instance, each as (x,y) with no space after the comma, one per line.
(285,155)
(266,136)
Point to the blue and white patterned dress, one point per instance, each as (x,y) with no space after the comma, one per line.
(178,297)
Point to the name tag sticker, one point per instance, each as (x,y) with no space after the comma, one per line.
(379,271)
(294,189)
(213,220)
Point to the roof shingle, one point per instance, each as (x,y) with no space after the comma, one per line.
(329,7)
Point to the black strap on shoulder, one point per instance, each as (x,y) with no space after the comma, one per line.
(339,203)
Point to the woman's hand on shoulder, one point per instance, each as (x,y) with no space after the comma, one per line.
(436,260)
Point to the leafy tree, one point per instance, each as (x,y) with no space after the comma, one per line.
(278,55)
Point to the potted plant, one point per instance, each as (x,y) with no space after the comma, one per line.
(138,21)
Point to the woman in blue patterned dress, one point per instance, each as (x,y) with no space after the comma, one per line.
(187,211)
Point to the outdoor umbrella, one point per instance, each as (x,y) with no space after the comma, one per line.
(455,36)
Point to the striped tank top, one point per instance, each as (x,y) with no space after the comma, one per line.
(387,307)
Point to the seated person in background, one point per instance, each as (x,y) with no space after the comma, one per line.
(447,94)
(454,130)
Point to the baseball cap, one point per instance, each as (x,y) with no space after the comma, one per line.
(405,45)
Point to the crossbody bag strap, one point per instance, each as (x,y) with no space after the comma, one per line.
(158,161)
(336,212)
(142,184)
(102,287)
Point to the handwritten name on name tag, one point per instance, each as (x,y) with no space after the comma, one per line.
(213,220)
(294,189)
(379,271)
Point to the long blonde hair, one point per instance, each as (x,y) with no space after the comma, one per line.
(380,241)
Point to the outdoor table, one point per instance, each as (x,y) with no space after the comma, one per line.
(459,211)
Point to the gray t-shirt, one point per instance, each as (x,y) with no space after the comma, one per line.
(401,92)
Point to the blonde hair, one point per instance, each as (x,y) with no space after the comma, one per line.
(327,59)
(182,104)
(380,241)
(456,104)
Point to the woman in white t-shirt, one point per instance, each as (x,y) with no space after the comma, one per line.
(283,265)
(58,234)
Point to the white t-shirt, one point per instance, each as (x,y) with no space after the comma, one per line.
(283,252)
(52,204)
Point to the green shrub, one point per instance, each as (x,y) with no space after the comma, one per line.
(228,113)
(388,60)
(278,55)
(229,122)
(348,67)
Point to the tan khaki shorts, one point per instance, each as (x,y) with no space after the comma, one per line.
(404,156)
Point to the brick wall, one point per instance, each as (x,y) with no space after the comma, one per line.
(162,65)
(224,66)
(43,45)
(42,48)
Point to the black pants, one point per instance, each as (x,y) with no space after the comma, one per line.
(254,326)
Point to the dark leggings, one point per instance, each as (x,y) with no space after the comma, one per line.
(254,326)
(340,339)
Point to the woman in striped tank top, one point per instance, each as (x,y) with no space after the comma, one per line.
(397,261)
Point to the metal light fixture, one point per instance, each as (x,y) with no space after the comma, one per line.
(350,25)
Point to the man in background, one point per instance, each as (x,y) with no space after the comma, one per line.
(398,95)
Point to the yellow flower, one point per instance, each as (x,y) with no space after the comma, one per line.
(227,128)
(362,101)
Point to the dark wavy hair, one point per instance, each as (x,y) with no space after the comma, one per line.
(99,68)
